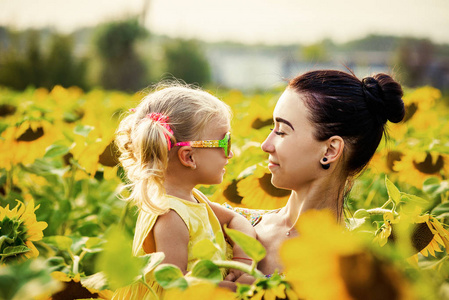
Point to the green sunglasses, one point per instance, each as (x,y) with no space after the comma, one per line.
(225,143)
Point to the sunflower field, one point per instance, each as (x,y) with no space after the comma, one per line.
(66,233)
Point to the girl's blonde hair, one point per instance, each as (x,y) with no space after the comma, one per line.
(143,143)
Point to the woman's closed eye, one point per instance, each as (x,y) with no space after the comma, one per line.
(278,132)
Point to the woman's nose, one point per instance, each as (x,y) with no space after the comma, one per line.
(267,145)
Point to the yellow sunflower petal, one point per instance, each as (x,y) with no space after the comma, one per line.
(413,260)
(259,295)
(430,249)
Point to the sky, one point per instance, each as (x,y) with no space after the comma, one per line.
(247,21)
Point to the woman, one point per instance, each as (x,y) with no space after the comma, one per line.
(327,126)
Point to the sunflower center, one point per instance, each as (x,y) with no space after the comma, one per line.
(427,166)
(392,157)
(7,110)
(265,184)
(410,110)
(420,236)
(30,135)
(232,194)
(109,157)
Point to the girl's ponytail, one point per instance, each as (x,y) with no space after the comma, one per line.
(144,155)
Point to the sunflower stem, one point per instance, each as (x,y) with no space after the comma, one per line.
(379,211)
(82,254)
(9,180)
(386,203)
(149,287)
(71,182)
(122,221)
(251,270)
(76,264)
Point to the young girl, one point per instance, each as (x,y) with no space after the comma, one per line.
(175,139)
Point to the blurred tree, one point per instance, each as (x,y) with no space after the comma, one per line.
(316,52)
(372,42)
(122,68)
(185,60)
(61,65)
(413,57)
(23,63)
(18,70)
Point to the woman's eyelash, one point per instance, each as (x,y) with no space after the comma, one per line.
(278,132)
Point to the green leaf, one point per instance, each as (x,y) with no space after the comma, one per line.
(14,250)
(205,269)
(116,261)
(83,130)
(409,198)
(95,281)
(154,259)
(204,249)
(440,209)
(393,192)
(56,150)
(252,247)
(94,245)
(170,276)
(361,213)
(434,186)
(93,242)
(61,242)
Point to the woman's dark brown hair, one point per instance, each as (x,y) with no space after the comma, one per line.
(356,110)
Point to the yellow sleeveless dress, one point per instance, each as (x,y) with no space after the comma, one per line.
(201,223)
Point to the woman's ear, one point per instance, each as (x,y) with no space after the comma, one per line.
(186,157)
(335,146)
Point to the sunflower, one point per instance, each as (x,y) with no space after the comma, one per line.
(16,142)
(257,191)
(18,230)
(77,287)
(427,234)
(415,167)
(326,262)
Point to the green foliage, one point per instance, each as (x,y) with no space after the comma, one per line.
(170,276)
(26,280)
(122,68)
(204,249)
(185,60)
(252,247)
(117,262)
(206,269)
(62,67)
(315,53)
(117,40)
(27,62)
(412,59)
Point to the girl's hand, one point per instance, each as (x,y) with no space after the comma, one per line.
(240,277)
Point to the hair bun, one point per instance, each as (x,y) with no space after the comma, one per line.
(384,97)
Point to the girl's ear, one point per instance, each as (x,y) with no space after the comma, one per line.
(335,146)
(186,157)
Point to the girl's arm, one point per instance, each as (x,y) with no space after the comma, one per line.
(238,222)
(171,236)
(232,219)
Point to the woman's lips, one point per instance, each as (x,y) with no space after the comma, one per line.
(272,164)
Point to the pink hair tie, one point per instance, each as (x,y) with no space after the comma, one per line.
(163,121)
(133,110)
